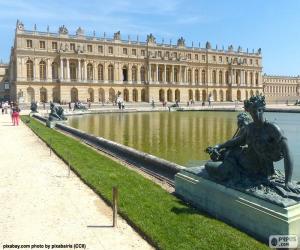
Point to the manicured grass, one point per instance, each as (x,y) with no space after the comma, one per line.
(162,218)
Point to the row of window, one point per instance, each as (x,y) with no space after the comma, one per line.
(134,71)
(125,51)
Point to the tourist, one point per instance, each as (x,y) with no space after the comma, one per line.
(152,104)
(15,115)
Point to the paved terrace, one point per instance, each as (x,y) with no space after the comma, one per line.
(40,204)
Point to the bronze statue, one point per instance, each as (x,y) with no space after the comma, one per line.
(57,113)
(247,159)
(33,107)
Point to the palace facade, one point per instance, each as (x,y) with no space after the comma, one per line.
(4,82)
(62,67)
(281,88)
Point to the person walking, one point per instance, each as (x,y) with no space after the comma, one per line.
(15,115)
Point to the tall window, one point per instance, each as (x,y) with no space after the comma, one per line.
(246,78)
(110,50)
(203,77)
(29,69)
(134,52)
(29,43)
(256,79)
(100,49)
(73,71)
(143,78)
(72,46)
(54,71)
(90,71)
(134,73)
(110,73)
(251,78)
(125,52)
(100,72)
(190,76)
(42,45)
(227,77)
(54,45)
(42,70)
(220,77)
(214,77)
(197,76)
(143,52)
(90,48)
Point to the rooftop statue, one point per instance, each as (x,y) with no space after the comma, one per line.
(79,32)
(246,162)
(230,48)
(20,25)
(181,42)
(208,45)
(151,38)
(57,113)
(117,35)
(63,30)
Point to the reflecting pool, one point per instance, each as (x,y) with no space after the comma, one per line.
(180,137)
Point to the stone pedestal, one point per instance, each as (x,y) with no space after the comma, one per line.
(50,124)
(253,215)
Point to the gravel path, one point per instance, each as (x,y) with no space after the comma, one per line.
(40,204)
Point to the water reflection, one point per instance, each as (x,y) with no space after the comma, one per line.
(180,137)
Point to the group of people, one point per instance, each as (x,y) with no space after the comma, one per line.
(14,111)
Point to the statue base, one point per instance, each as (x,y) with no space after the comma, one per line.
(50,124)
(252,215)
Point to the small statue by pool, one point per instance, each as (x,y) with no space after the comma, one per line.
(33,107)
(245,162)
(57,113)
(79,106)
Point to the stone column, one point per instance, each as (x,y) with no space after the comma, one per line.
(79,70)
(193,76)
(172,74)
(165,73)
(85,71)
(179,74)
(157,73)
(68,69)
(61,69)
(129,73)
(49,70)
(138,74)
(35,70)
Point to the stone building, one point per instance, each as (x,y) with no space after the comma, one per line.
(281,88)
(62,67)
(4,82)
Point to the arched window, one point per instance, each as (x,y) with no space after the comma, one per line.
(221,95)
(197,95)
(191,94)
(74,94)
(112,94)
(54,71)
(177,95)
(143,95)
(203,77)
(168,74)
(110,73)
(214,77)
(215,96)
(134,73)
(30,95)
(135,95)
(125,73)
(143,78)
(220,77)
(160,73)
(43,95)
(126,95)
(197,76)
(42,67)
(90,71)
(29,69)
(169,95)
(101,95)
(161,95)
(91,94)
(100,72)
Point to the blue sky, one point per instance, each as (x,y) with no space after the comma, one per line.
(273,25)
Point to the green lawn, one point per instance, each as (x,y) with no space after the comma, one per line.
(162,218)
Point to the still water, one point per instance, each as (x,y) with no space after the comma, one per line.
(180,137)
